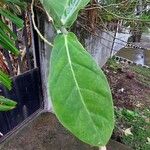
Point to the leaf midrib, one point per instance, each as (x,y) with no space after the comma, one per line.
(75,80)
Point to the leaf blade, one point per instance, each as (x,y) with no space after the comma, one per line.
(6,104)
(64,13)
(5,80)
(7,43)
(12,17)
(7,30)
(78,104)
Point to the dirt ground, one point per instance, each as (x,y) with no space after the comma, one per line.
(130,84)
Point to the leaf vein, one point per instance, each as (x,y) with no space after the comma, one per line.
(74,77)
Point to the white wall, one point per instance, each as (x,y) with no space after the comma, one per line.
(100,46)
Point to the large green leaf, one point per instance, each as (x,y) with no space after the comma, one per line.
(64,12)
(6,104)
(80,92)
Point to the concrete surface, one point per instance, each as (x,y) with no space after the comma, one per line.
(44,132)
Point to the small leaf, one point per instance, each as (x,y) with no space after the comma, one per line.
(64,13)
(5,80)
(6,104)
(80,93)
(5,108)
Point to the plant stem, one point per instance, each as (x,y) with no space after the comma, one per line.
(63,30)
(35,27)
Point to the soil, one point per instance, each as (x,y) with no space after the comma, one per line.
(130,85)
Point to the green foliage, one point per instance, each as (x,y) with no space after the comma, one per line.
(143,74)
(21,3)
(131,13)
(7,43)
(79,90)
(7,30)
(138,121)
(7,37)
(16,20)
(64,13)
(112,64)
(6,104)
(5,80)
(142,71)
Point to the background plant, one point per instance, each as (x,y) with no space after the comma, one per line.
(5,103)
(9,11)
(139,124)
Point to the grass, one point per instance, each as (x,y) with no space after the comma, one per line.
(143,74)
(139,122)
(141,70)
(113,64)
